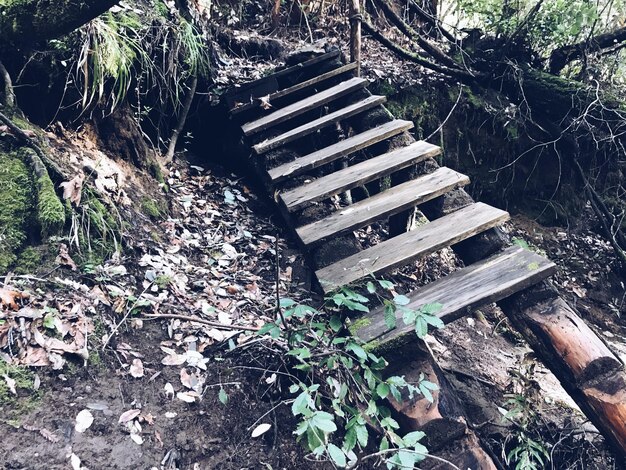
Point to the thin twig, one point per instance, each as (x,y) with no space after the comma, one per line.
(156,316)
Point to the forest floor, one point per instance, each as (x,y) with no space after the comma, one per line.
(171,394)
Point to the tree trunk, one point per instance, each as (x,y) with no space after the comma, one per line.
(23,22)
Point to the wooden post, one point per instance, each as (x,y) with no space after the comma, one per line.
(355,34)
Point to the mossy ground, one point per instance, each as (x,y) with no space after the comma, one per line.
(16,205)
(12,407)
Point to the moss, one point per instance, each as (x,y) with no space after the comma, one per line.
(391,345)
(16,203)
(14,408)
(50,209)
(152,208)
(28,261)
(358,324)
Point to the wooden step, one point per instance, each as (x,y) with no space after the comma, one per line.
(247,91)
(358,175)
(317,124)
(403,249)
(463,291)
(273,97)
(302,106)
(383,205)
(340,149)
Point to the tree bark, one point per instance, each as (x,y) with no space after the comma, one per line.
(564,55)
(24,22)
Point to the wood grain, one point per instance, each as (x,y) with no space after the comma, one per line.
(383,205)
(255,103)
(317,124)
(409,246)
(340,149)
(358,175)
(305,105)
(465,290)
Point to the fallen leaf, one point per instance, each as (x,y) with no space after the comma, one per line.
(9,298)
(261,429)
(84,419)
(169,390)
(72,189)
(264,102)
(75,462)
(10,383)
(64,259)
(128,416)
(187,397)
(136,368)
(137,439)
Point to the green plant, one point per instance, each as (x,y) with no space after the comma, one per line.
(526,450)
(340,387)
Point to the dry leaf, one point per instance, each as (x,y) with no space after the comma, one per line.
(136,368)
(64,258)
(137,439)
(72,189)
(75,462)
(264,102)
(9,298)
(187,397)
(261,429)
(174,360)
(169,390)
(128,416)
(84,419)
(10,383)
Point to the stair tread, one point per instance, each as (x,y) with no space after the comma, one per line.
(358,175)
(476,285)
(304,105)
(383,205)
(281,73)
(295,88)
(404,248)
(340,149)
(315,125)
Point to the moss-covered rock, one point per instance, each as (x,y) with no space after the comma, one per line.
(50,209)
(16,205)
(28,261)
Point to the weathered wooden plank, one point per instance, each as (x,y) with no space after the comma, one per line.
(340,149)
(409,246)
(479,284)
(239,94)
(317,124)
(293,89)
(358,175)
(383,205)
(302,106)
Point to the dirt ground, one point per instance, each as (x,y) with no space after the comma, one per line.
(154,404)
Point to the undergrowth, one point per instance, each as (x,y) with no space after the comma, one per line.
(338,385)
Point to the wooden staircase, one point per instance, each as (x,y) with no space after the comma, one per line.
(314,101)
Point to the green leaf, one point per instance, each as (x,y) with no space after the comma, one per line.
(357,350)
(434,321)
(222,396)
(384,444)
(421,327)
(385,284)
(407,458)
(301,404)
(314,438)
(323,421)
(371,288)
(413,438)
(409,316)
(390,315)
(349,441)
(48,321)
(337,455)
(265,329)
(401,300)
(361,434)
(382,390)
(389,422)
(335,323)
(294,388)
(430,309)
(286,302)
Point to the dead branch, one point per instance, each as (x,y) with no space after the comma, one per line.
(156,316)
(564,55)
(416,58)
(181,122)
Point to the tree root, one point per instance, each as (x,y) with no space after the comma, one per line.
(9,95)
(24,138)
